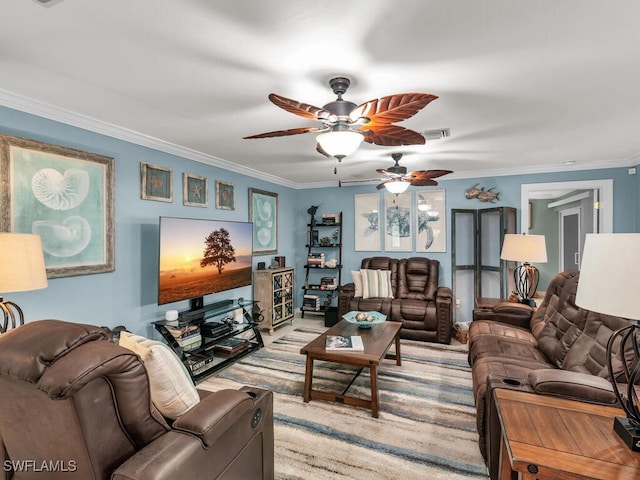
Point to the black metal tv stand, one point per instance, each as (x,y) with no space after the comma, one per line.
(218,335)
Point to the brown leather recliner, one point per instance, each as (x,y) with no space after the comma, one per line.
(76,406)
(423,307)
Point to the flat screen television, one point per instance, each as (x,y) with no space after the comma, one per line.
(198,257)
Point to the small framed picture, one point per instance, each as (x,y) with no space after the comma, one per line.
(225,195)
(194,190)
(157,183)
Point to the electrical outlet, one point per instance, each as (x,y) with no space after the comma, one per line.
(457,303)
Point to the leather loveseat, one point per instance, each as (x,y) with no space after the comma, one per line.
(562,352)
(75,406)
(416,300)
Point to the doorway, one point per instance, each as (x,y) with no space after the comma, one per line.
(594,197)
(570,239)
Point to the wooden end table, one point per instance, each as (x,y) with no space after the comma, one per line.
(377,341)
(549,438)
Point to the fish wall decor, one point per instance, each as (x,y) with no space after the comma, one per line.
(481,194)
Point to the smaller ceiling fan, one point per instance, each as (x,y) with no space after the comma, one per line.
(397,179)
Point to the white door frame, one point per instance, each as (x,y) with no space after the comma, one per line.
(605,186)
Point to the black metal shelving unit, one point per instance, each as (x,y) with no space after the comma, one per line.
(314,273)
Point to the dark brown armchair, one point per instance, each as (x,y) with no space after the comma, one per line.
(423,307)
(76,406)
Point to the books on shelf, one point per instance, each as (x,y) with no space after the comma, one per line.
(345,343)
(330,218)
(231,346)
(311,302)
(188,336)
(328,283)
(315,259)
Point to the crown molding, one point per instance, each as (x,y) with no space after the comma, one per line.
(51,112)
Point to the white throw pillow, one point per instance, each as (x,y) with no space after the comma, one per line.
(172,390)
(376,284)
(357,281)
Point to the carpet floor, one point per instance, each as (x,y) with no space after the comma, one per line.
(426,428)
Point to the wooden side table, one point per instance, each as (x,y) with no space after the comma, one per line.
(548,438)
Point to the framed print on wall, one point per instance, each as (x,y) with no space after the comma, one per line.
(431,223)
(63,195)
(156,183)
(397,229)
(263,212)
(194,190)
(367,222)
(225,195)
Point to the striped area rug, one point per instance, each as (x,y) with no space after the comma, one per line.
(426,428)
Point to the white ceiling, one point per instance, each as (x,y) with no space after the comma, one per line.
(524,85)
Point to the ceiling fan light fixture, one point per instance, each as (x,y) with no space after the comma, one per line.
(397,186)
(341,143)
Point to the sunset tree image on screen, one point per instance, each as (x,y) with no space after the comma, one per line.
(198,257)
(218,250)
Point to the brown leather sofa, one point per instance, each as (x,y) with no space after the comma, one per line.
(423,307)
(76,406)
(562,352)
(508,312)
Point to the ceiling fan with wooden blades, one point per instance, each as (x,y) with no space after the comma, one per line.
(344,121)
(396,177)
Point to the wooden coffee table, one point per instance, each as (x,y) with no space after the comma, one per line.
(377,341)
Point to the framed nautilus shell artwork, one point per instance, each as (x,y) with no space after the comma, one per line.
(263,212)
(65,196)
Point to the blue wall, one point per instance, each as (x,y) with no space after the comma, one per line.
(625,193)
(128,295)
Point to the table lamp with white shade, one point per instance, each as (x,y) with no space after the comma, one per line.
(22,269)
(608,284)
(526,249)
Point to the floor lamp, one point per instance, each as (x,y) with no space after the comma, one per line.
(608,284)
(526,249)
(21,269)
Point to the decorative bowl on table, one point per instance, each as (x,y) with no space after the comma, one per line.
(364,319)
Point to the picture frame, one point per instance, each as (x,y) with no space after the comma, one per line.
(156,183)
(431,221)
(398,229)
(225,195)
(195,192)
(263,213)
(367,222)
(65,196)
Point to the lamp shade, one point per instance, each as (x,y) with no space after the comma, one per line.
(609,275)
(21,263)
(524,248)
(397,186)
(340,143)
